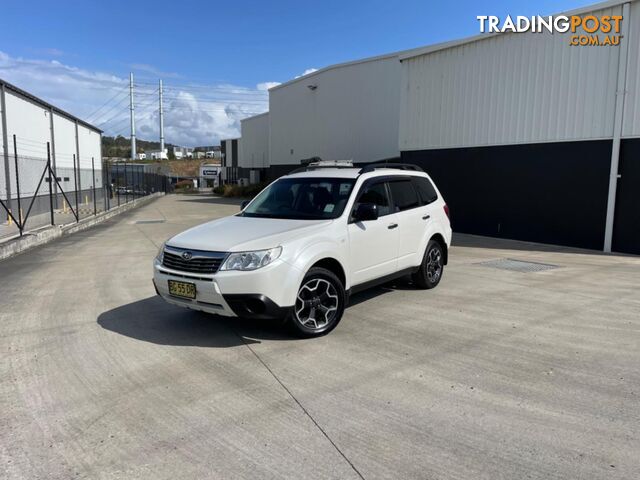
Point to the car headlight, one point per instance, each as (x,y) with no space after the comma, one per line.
(160,254)
(251,260)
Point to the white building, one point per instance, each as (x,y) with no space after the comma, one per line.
(36,123)
(156,154)
(210,175)
(141,156)
(254,156)
(345,111)
(182,152)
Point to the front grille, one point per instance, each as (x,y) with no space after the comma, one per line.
(200,261)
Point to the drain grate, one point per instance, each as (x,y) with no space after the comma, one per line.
(518,265)
(149,221)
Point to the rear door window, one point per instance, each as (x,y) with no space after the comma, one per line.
(404,195)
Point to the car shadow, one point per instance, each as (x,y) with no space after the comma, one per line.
(155,321)
(403,283)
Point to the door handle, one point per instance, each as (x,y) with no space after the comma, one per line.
(392,226)
(426,217)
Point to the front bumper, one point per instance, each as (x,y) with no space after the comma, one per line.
(266,293)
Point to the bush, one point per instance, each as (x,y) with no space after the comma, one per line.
(230,190)
(184,186)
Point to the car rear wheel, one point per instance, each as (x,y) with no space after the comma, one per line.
(432,267)
(319,304)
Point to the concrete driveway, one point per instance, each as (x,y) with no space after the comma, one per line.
(495,374)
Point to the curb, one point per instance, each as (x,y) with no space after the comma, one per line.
(45,235)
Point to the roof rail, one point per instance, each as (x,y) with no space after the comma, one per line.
(372,167)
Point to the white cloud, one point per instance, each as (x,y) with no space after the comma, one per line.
(194,114)
(144,67)
(267,85)
(307,72)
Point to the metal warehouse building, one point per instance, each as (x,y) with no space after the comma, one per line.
(345,111)
(526,135)
(253,161)
(35,123)
(230,154)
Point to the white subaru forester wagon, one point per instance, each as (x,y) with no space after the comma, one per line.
(308,241)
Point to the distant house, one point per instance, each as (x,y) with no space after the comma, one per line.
(182,152)
(141,156)
(156,155)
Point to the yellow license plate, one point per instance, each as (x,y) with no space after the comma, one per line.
(182,289)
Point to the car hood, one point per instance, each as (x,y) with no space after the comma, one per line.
(236,234)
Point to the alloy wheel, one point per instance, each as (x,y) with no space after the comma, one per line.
(434,264)
(317,304)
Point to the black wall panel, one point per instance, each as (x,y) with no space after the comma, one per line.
(276,171)
(549,192)
(626,228)
(234,153)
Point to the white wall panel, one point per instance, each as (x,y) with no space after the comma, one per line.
(510,88)
(29,122)
(89,142)
(631,120)
(65,135)
(255,142)
(352,114)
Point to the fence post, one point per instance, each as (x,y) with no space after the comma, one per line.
(106,190)
(51,174)
(15,159)
(93,172)
(117,183)
(75,183)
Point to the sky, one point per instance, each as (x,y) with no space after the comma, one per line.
(217,59)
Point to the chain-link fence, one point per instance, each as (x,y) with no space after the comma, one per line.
(35,193)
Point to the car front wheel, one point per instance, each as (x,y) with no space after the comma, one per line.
(432,267)
(319,303)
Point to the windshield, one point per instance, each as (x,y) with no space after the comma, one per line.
(302,199)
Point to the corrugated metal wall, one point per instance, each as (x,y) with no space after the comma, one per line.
(31,123)
(509,89)
(631,120)
(254,151)
(353,113)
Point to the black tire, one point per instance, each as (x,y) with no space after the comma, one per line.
(431,268)
(318,289)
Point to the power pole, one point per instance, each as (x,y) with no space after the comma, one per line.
(161,122)
(133,118)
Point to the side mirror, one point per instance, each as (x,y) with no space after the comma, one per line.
(244,204)
(365,212)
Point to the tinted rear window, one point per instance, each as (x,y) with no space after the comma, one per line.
(426,190)
(404,195)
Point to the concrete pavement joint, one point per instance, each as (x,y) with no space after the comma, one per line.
(304,410)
